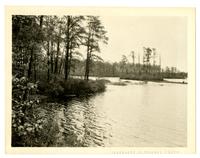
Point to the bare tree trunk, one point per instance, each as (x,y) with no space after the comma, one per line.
(87,67)
(41,21)
(67,50)
(70,59)
(87,59)
(56,60)
(57,53)
(35,70)
(48,63)
(60,66)
(51,56)
(66,64)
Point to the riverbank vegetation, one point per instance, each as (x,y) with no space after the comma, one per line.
(45,52)
(47,49)
(71,87)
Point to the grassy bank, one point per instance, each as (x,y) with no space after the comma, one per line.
(71,87)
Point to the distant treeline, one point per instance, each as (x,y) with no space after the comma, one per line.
(120,69)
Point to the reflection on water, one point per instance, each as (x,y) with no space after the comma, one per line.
(135,115)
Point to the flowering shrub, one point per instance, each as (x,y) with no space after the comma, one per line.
(25,123)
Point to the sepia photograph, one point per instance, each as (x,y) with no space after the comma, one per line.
(101,77)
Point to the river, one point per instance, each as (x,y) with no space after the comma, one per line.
(136,115)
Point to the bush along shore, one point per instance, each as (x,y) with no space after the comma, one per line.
(71,87)
(33,122)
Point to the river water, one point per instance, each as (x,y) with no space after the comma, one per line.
(136,115)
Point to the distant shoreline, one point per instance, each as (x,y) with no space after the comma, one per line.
(147,80)
(159,81)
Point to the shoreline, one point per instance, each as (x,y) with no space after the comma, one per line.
(161,81)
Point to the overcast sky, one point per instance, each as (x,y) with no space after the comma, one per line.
(131,33)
